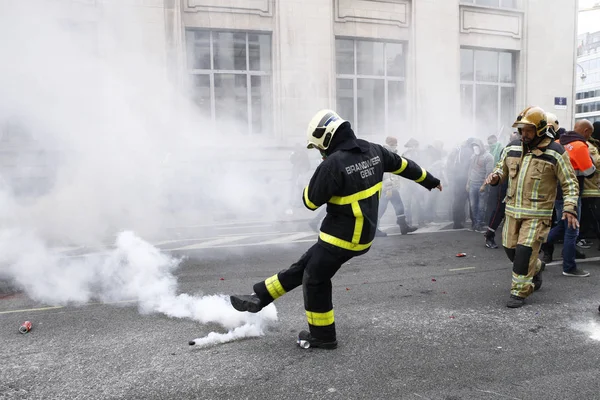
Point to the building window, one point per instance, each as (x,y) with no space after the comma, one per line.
(487,83)
(231,79)
(370,87)
(493,3)
(593,106)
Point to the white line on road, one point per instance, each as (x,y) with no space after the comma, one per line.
(591,259)
(243,226)
(289,238)
(57,307)
(248,244)
(461,269)
(419,231)
(211,243)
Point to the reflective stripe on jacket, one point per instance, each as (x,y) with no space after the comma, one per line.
(350,182)
(533,177)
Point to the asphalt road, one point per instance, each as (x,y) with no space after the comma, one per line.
(414,322)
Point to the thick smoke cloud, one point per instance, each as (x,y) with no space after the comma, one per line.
(97,140)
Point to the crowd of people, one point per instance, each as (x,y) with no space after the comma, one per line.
(537,185)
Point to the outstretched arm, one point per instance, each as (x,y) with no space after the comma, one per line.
(409,169)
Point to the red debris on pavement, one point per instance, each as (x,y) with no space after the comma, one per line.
(461,255)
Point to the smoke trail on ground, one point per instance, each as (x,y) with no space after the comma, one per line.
(133,271)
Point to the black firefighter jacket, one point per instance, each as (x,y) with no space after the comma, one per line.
(349,181)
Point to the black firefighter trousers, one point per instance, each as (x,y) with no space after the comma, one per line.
(313,271)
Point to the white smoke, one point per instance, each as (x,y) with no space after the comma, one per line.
(591,328)
(84,88)
(133,271)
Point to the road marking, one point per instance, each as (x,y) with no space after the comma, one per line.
(211,243)
(224,223)
(31,309)
(419,231)
(289,238)
(57,307)
(591,259)
(461,269)
(244,226)
(271,233)
(232,240)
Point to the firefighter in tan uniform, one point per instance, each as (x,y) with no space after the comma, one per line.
(533,166)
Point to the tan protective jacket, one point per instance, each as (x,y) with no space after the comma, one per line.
(533,177)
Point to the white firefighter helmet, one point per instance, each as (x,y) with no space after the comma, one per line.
(321,129)
(553,125)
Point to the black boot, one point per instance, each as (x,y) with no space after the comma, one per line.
(245,302)
(404,227)
(306,341)
(490,241)
(537,278)
(548,250)
(515,301)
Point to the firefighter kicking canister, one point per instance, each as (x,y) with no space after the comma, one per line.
(534,166)
(349,181)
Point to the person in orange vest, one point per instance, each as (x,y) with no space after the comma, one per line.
(575,143)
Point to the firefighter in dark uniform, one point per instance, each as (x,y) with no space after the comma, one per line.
(349,181)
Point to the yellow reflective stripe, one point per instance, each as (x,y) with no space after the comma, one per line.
(529,211)
(274,287)
(507,222)
(320,319)
(343,243)
(423,176)
(520,284)
(590,193)
(403,166)
(534,192)
(531,233)
(358,224)
(520,278)
(521,179)
(363,194)
(309,203)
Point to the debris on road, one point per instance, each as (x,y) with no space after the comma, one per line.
(25,327)
(461,255)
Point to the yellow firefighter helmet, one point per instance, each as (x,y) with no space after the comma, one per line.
(321,129)
(533,116)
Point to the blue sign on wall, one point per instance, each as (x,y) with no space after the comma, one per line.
(560,103)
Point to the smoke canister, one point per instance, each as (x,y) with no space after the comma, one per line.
(25,327)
